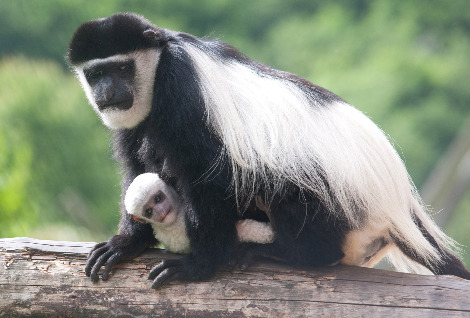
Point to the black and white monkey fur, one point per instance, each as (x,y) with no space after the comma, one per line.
(221,129)
(150,200)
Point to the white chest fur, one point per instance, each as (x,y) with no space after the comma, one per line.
(173,237)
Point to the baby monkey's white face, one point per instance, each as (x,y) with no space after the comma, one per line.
(159,209)
(150,200)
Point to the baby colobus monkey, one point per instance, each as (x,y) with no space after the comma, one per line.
(150,200)
(229,129)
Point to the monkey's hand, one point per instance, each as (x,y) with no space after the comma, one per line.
(184,269)
(111,252)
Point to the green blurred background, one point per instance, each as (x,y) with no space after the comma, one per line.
(404,63)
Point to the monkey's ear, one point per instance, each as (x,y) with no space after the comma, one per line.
(157,36)
(137,219)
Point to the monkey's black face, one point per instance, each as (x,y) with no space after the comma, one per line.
(112,84)
(120,87)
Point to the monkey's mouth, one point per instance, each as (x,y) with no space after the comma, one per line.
(165,217)
(120,105)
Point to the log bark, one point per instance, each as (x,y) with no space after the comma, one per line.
(47,279)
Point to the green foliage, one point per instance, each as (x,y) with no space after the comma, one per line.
(405,63)
(55,166)
(458,227)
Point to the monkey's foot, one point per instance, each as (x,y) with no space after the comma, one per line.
(165,272)
(186,268)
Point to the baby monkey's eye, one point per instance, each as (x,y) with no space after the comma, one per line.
(148,213)
(158,199)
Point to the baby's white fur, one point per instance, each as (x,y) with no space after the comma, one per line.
(146,65)
(253,231)
(173,236)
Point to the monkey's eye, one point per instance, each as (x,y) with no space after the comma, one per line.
(125,68)
(93,74)
(148,213)
(158,199)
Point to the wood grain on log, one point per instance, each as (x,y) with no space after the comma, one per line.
(46,278)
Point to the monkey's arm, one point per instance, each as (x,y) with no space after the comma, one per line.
(132,239)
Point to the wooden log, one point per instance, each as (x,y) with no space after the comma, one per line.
(47,279)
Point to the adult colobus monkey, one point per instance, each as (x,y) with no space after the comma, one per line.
(227,128)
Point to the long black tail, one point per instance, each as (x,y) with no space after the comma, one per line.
(450,264)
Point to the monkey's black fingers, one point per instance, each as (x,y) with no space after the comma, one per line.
(115,258)
(167,271)
(99,262)
(97,246)
(94,256)
(166,276)
(162,266)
